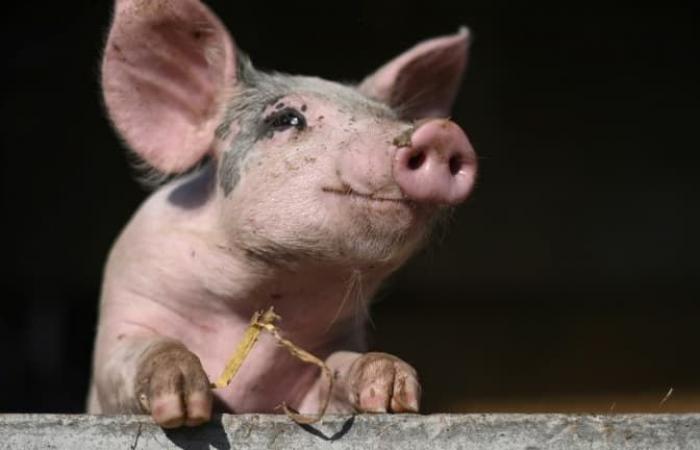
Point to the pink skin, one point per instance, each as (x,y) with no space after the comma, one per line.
(340,198)
(439,166)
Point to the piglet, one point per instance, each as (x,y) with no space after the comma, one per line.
(293,192)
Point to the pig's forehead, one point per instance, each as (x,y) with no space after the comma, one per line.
(336,94)
(262,88)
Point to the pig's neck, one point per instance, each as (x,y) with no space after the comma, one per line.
(318,301)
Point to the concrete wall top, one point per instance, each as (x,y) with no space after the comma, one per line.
(440,431)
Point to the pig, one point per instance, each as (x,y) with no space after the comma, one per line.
(279,190)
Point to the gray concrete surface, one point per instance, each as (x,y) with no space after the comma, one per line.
(443,431)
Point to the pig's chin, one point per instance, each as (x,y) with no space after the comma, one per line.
(377,247)
(376,230)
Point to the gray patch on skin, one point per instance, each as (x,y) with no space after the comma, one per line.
(195,190)
(229,172)
(257,90)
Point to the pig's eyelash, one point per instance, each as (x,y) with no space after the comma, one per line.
(284,119)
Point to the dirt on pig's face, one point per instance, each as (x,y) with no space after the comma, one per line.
(305,171)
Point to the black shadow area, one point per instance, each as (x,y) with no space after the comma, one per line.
(203,437)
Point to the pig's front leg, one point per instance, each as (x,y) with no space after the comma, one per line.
(157,376)
(367,382)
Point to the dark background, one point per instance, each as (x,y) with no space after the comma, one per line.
(567,283)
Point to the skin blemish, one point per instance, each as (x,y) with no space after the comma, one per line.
(320,117)
(280,105)
(403,139)
(303,108)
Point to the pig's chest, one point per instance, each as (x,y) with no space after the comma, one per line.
(268,377)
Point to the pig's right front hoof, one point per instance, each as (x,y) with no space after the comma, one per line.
(172,386)
(381,383)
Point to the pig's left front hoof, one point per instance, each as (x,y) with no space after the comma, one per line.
(380,382)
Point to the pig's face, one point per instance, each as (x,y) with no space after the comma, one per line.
(308,172)
(305,167)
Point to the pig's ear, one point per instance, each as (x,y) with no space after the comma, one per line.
(167,68)
(423,81)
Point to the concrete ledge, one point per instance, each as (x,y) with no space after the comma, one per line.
(441,431)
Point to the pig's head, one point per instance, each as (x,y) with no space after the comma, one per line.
(304,167)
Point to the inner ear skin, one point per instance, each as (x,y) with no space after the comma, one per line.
(417,83)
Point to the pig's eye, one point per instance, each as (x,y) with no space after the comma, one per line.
(286,118)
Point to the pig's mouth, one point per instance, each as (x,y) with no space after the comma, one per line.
(350,192)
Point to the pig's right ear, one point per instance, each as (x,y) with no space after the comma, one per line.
(166,72)
(423,81)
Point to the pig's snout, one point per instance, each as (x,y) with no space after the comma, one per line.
(439,165)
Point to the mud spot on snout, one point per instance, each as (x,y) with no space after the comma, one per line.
(403,139)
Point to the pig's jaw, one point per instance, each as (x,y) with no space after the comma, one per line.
(350,252)
(337,230)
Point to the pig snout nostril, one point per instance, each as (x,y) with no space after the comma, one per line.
(439,165)
(417,160)
(455,164)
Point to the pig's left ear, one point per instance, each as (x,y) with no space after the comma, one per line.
(423,81)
